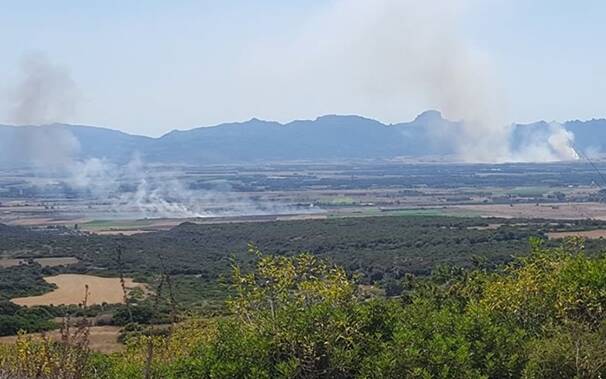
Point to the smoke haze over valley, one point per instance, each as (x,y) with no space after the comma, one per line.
(118,168)
(387,58)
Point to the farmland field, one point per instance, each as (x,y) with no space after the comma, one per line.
(382,221)
(71,290)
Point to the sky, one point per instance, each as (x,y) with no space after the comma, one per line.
(148,67)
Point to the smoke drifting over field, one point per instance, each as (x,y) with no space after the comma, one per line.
(137,190)
(46,94)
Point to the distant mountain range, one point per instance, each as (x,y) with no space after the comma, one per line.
(325,138)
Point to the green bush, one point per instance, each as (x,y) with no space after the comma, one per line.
(541,316)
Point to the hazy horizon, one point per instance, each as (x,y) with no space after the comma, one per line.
(283,123)
(150,68)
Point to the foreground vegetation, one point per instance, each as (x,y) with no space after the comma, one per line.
(378,250)
(540,316)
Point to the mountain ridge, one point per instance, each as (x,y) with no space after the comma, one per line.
(326,137)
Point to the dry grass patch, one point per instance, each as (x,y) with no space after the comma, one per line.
(71,290)
(10,262)
(103,339)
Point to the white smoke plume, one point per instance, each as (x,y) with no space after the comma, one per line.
(544,143)
(561,143)
(46,93)
(381,56)
(135,190)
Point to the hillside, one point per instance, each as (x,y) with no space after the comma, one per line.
(541,316)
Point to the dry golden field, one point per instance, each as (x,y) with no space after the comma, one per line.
(71,290)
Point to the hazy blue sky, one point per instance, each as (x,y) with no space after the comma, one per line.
(151,66)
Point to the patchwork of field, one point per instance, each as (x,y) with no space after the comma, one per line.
(71,290)
(312,190)
(103,339)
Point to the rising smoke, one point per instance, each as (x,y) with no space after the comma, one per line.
(382,52)
(46,94)
(136,190)
(368,57)
(382,56)
(548,142)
